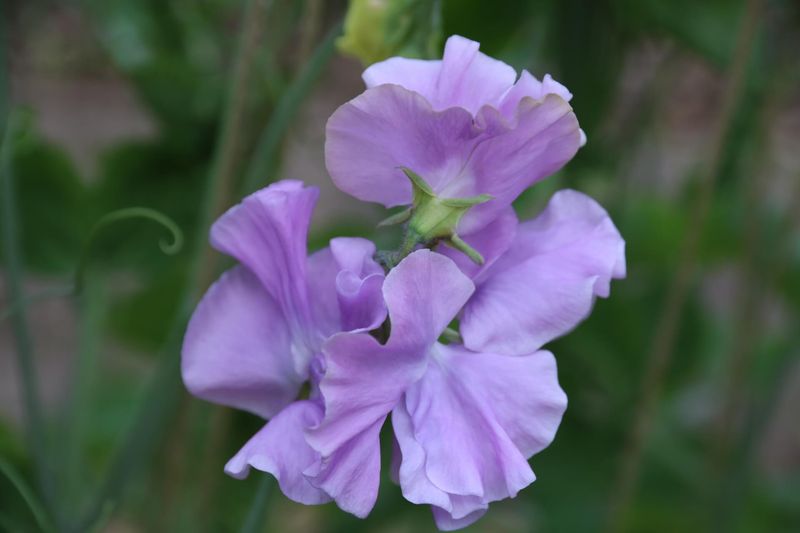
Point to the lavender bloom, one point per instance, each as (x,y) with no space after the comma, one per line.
(462,123)
(256,336)
(467,418)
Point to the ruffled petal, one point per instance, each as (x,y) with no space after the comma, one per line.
(491,242)
(547,281)
(423,293)
(467,427)
(267,233)
(358,284)
(445,521)
(345,286)
(322,270)
(387,127)
(351,474)
(543,136)
(364,380)
(280,449)
(237,348)
(529,86)
(469,78)
(464,77)
(418,75)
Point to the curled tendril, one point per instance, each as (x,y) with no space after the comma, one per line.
(168,247)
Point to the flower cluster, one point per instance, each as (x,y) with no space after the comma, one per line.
(363,332)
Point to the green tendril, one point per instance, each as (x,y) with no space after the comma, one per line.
(168,247)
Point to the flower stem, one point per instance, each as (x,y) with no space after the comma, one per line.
(266,151)
(258,508)
(669,322)
(163,392)
(19,321)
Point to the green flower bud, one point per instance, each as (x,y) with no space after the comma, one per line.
(377,29)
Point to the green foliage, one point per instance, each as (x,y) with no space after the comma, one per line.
(53,203)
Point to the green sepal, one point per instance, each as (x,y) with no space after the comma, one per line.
(432,218)
(458,243)
(398,218)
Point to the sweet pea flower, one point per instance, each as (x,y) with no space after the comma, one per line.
(464,123)
(257,334)
(466,418)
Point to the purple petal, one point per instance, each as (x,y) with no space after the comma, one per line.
(236,350)
(529,86)
(451,511)
(470,79)
(468,426)
(388,127)
(345,286)
(464,77)
(541,138)
(491,242)
(364,380)
(267,233)
(446,522)
(423,294)
(280,449)
(352,473)
(321,270)
(370,137)
(358,284)
(418,75)
(547,281)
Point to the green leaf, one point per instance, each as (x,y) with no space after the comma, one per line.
(54,204)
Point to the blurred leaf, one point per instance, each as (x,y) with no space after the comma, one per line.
(490,23)
(707,28)
(54,206)
(377,29)
(171,50)
(143,319)
(27,494)
(588,43)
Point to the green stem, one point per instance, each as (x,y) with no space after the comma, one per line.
(19,320)
(161,396)
(258,508)
(669,322)
(93,307)
(265,155)
(27,495)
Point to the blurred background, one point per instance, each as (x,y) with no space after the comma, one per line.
(684,386)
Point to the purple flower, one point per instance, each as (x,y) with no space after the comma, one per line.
(462,123)
(257,334)
(467,418)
